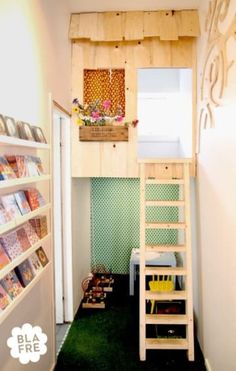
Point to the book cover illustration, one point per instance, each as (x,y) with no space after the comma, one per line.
(4,259)
(10,205)
(23,238)
(5,216)
(6,170)
(42,256)
(39,223)
(35,264)
(31,234)
(32,166)
(22,202)
(24,273)
(39,165)
(4,298)
(11,284)
(34,198)
(18,165)
(11,244)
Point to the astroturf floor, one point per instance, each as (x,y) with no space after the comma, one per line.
(108,340)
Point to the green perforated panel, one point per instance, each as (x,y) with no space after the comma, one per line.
(115,220)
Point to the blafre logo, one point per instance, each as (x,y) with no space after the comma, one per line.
(27,343)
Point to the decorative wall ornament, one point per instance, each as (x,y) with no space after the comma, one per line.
(216,65)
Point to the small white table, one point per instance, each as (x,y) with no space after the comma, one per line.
(152,258)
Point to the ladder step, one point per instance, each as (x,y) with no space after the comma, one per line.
(168,295)
(166,344)
(168,271)
(165,248)
(166,319)
(165,203)
(164,181)
(165,225)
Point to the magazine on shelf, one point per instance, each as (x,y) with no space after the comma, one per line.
(22,202)
(34,198)
(23,238)
(5,216)
(11,284)
(11,244)
(6,171)
(5,299)
(4,259)
(39,223)
(10,205)
(42,256)
(35,264)
(18,164)
(31,234)
(24,273)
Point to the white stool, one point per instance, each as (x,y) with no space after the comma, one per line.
(152,258)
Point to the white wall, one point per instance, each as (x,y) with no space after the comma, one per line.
(216,202)
(35,60)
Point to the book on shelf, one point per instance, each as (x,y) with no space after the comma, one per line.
(32,166)
(39,165)
(10,205)
(35,264)
(39,223)
(4,259)
(11,244)
(23,238)
(22,202)
(34,198)
(42,256)
(18,164)
(31,234)
(24,273)
(5,299)
(5,216)
(6,171)
(11,284)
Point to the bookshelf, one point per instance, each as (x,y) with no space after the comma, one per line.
(16,146)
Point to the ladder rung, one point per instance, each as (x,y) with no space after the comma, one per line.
(164,181)
(166,319)
(166,344)
(168,295)
(165,225)
(165,203)
(165,271)
(165,248)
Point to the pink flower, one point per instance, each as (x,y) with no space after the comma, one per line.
(106,104)
(119,118)
(95,115)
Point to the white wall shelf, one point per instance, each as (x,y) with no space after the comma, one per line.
(14,263)
(20,181)
(12,141)
(4,314)
(22,219)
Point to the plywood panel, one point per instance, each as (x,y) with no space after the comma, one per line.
(181,52)
(160,53)
(113,26)
(83,26)
(151,24)
(114,159)
(168,26)
(188,23)
(134,26)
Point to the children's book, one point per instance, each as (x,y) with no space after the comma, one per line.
(42,256)
(39,223)
(4,298)
(24,273)
(23,238)
(35,264)
(4,259)
(11,284)
(31,234)
(5,216)
(22,202)
(18,164)
(34,198)
(11,244)
(10,205)
(6,171)
(32,166)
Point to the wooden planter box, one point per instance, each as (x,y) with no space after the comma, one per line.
(104,133)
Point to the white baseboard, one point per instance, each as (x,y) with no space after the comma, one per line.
(207,364)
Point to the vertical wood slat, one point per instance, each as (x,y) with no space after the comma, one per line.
(168,26)
(134,26)
(152,22)
(113,26)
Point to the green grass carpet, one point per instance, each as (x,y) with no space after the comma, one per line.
(108,340)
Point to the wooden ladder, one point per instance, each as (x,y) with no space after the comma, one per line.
(166,172)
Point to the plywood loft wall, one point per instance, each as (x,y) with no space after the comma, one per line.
(129,40)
